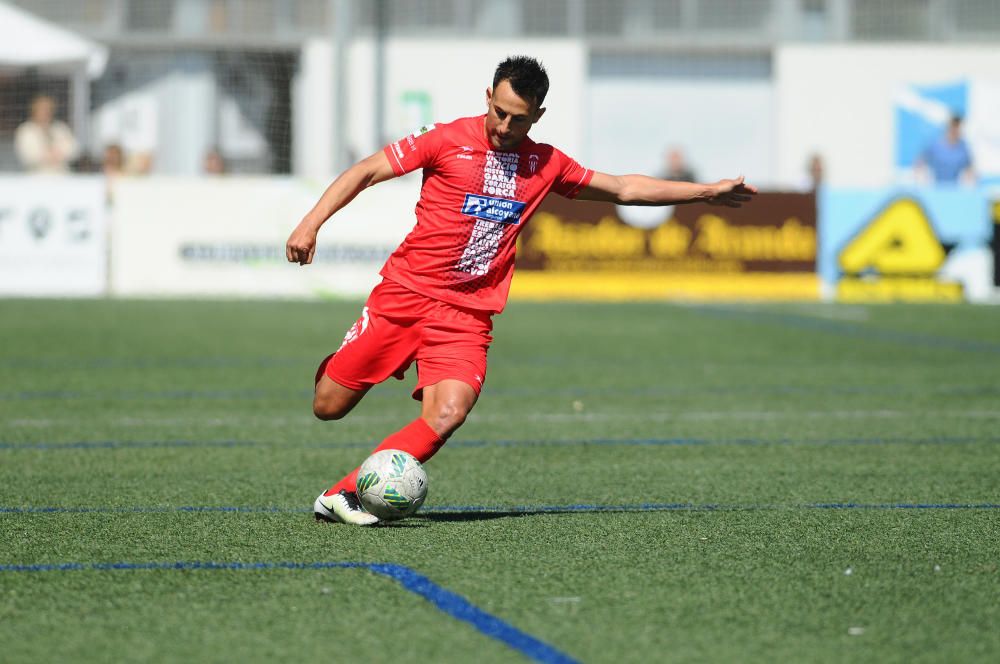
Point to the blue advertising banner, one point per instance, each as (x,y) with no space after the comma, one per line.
(922,114)
(895,244)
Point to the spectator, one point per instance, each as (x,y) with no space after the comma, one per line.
(114,160)
(44,144)
(139,163)
(113,167)
(214,164)
(814,170)
(948,158)
(677,167)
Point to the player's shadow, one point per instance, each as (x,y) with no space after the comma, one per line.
(485,515)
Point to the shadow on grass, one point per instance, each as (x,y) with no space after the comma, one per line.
(481,513)
(445,517)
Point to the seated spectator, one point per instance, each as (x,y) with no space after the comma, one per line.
(139,163)
(677,167)
(44,144)
(214,163)
(114,160)
(815,171)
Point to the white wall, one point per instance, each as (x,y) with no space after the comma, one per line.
(838,101)
(453,74)
(312,111)
(722,125)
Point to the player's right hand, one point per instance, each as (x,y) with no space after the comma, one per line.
(301,245)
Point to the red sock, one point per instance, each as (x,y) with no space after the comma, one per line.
(417,438)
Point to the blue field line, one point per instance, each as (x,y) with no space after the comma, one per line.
(906,506)
(845,328)
(148,395)
(710,507)
(754,389)
(648,391)
(444,600)
(612,442)
(203,362)
(151,444)
(458,607)
(511,509)
(127,444)
(246,509)
(696,442)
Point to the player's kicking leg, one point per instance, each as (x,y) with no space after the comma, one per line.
(333,401)
(445,406)
(449,346)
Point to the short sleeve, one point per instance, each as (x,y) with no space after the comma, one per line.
(967,153)
(572,177)
(417,150)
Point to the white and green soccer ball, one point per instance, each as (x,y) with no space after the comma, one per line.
(392,484)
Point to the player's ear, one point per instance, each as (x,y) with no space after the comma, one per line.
(538,115)
(489,95)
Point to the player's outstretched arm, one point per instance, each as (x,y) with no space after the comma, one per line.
(301,245)
(644,190)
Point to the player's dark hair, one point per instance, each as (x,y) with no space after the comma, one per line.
(526,76)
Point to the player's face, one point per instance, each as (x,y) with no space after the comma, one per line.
(508,117)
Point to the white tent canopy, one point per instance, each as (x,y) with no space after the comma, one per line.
(28,41)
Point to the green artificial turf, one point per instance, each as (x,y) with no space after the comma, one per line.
(639,482)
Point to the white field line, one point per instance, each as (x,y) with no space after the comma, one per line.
(305,420)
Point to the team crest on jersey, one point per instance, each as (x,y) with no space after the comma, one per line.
(423,130)
(492,208)
(532,163)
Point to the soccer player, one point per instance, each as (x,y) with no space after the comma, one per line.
(482,180)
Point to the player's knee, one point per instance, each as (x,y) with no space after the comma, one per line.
(327,414)
(325,409)
(447,416)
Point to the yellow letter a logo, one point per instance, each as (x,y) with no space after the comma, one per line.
(898,241)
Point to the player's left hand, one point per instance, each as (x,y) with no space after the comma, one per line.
(732,193)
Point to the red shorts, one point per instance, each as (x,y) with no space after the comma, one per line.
(398,327)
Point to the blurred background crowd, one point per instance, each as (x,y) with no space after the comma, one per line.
(679,87)
(882,116)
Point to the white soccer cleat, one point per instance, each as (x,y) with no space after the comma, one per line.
(343,507)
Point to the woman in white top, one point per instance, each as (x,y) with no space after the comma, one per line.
(44,144)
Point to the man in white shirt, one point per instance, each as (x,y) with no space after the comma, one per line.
(44,144)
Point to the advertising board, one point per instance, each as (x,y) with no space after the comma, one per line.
(53,236)
(588,249)
(226,237)
(910,244)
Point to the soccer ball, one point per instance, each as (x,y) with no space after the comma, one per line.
(392,484)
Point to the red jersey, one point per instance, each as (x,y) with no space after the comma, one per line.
(474,201)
